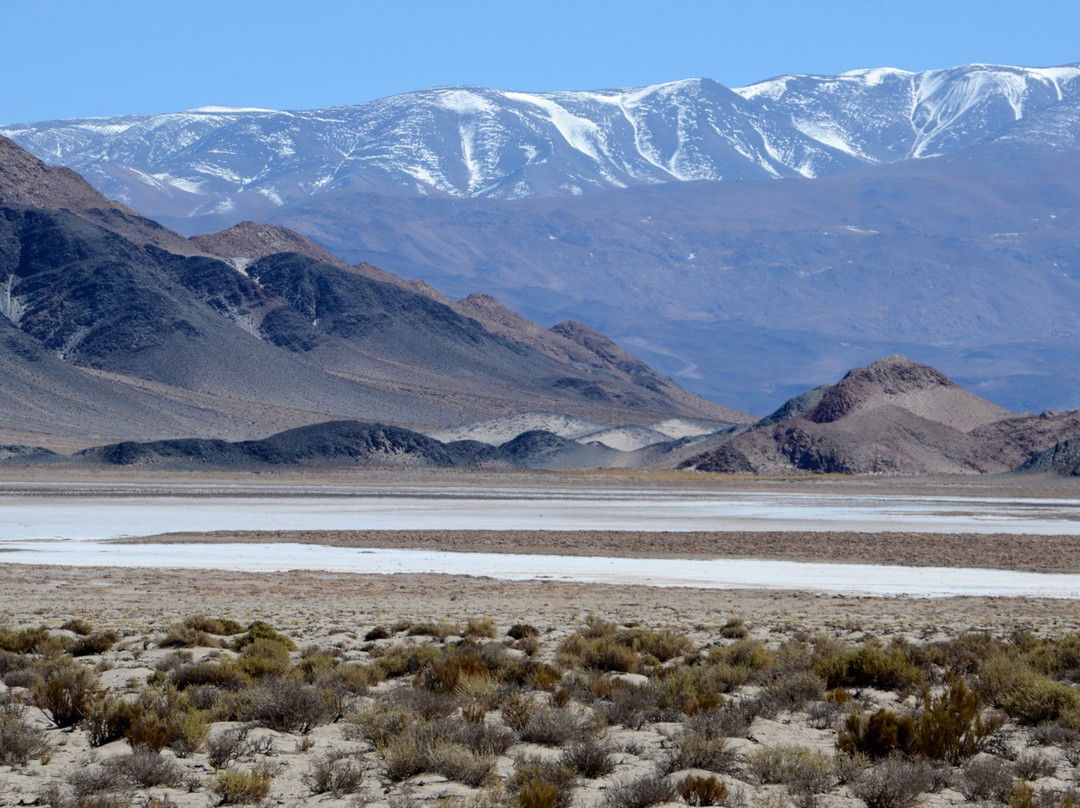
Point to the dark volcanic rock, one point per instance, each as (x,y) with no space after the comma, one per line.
(1062,458)
(333,443)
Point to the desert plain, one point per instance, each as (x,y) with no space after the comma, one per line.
(749,691)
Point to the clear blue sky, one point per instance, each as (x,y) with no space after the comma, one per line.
(74,58)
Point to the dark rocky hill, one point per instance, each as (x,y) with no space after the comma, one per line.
(895,417)
(109,332)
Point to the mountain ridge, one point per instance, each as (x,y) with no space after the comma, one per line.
(482,142)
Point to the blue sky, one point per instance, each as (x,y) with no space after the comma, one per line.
(74,58)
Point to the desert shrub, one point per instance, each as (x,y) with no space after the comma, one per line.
(696,747)
(420,749)
(892,783)
(607,654)
(178,635)
(108,719)
(554,726)
(19,740)
(262,657)
(801,769)
(663,644)
(480,628)
(1036,698)
(791,692)
(676,692)
(163,718)
(11,661)
(377,633)
(89,780)
(849,767)
(541,784)
(702,790)
(66,691)
(747,654)
(427,628)
(1024,694)
(878,735)
(220,673)
(520,631)
(401,660)
(984,778)
(590,757)
(640,792)
(146,768)
(227,746)
(29,641)
(951,727)
(734,629)
(596,626)
(97,643)
(235,787)
(334,773)
(483,739)
(213,625)
(262,631)
(378,723)
(457,762)
(337,682)
(1058,657)
(424,703)
(284,704)
(517,710)
(77,626)
(1033,764)
(871,666)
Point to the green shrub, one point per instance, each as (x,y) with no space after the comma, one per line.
(235,787)
(262,657)
(1036,698)
(213,625)
(29,640)
(262,631)
(871,666)
(219,673)
(539,784)
(480,628)
(802,770)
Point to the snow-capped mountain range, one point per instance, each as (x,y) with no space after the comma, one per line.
(474,142)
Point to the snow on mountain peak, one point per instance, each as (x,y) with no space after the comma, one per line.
(471,141)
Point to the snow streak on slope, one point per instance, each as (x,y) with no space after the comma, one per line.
(476,142)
